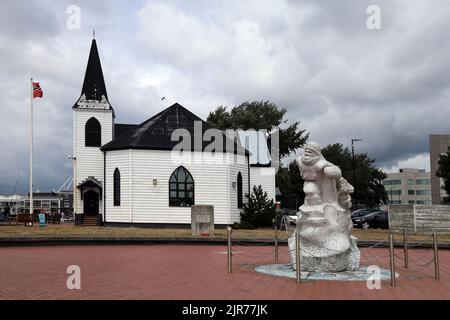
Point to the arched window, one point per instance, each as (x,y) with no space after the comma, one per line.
(181,188)
(239,191)
(117,187)
(93,133)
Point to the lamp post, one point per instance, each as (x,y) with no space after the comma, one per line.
(74,182)
(353,160)
(390,189)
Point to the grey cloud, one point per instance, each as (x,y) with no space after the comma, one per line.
(317,58)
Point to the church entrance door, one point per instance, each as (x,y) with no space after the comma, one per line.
(91,202)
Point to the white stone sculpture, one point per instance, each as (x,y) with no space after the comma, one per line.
(324,220)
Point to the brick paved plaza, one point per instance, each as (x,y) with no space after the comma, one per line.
(196,272)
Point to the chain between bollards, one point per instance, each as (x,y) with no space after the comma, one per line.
(391,254)
(229,252)
(275,229)
(405,248)
(297,257)
(436,257)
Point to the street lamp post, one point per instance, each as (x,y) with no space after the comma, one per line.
(353,161)
(390,189)
(74,182)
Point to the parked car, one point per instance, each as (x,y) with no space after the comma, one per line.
(361,212)
(369,218)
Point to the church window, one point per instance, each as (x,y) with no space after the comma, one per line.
(93,133)
(181,188)
(117,187)
(239,191)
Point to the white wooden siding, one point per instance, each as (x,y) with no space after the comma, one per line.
(89,160)
(264,176)
(119,159)
(239,165)
(150,203)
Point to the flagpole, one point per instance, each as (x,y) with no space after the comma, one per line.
(31,148)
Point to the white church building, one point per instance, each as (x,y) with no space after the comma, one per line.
(129,174)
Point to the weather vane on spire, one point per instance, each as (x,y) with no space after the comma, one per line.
(93,33)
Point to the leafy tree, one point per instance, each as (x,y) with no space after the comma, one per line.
(260,115)
(258,211)
(290,183)
(444,173)
(369,188)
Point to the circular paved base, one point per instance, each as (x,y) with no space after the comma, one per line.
(285,270)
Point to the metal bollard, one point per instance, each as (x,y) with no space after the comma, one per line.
(276,242)
(229,252)
(391,251)
(297,257)
(405,248)
(436,257)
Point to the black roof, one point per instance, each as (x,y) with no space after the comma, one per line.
(43,194)
(94,84)
(156,132)
(121,128)
(90,182)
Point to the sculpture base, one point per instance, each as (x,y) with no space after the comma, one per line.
(285,270)
(311,261)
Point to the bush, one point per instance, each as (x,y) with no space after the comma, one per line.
(259,211)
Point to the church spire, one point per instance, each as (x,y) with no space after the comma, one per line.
(94,84)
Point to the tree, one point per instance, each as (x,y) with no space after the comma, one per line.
(290,183)
(444,173)
(259,210)
(369,188)
(260,115)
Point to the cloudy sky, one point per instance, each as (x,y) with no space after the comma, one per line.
(389,87)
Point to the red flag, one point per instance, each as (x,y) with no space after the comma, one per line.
(37,91)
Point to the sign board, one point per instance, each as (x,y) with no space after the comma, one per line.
(42,220)
(203,218)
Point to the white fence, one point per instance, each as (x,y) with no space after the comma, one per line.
(420,218)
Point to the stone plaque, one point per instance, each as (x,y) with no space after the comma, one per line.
(202,220)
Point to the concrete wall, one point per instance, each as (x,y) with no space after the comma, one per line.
(420,218)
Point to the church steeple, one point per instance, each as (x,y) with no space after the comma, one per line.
(94,84)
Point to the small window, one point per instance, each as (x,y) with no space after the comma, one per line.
(239,191)
(396,192)
(117,187)
(93,133)
(181,188)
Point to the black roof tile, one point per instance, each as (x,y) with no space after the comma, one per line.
(121,128)
(94,83)
(156,132)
